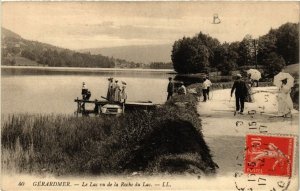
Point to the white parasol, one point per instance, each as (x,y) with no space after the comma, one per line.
(255,74)
(282,76)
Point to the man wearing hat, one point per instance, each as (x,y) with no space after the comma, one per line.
(240,88)
(170,88)
(84,93)
(84,90)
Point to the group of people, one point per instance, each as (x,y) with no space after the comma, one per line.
(171,89)
(243,93)
(181,90)
(241,88)
(115,93)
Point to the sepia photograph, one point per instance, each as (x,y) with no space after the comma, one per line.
(149,95)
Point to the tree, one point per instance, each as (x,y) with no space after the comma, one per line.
(210,43)
(273,64)
(288,42)
(188,56)
(193,55)
(14,50)
(284,41)
(225,58)
(266,45)
(246,51)
(28,54)
(160,65)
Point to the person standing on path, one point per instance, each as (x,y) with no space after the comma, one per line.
(205,88)
(249,84)
(170,88)
(207,83)
(240,88)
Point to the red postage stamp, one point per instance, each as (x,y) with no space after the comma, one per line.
(269,155)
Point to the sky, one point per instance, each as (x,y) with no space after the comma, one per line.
(82,25)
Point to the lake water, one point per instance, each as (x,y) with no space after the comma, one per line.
(53,90)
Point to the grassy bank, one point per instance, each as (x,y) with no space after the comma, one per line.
(167,140)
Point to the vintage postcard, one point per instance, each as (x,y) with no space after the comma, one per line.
(149,95)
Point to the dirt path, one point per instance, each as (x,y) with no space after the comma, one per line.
(225,133)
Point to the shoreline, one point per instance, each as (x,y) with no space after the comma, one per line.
(74,69)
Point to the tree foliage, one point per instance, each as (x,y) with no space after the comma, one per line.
(279,47)
(246,51)
(161,65)
(288,42)
(225,58)
(273,50)
(273,64)
(267,44)
(55,57)
(192,55)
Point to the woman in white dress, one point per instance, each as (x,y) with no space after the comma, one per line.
(285,103)
(123,94)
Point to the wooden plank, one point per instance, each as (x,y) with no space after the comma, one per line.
(140,103)
(91,101)
(129,106)
(106,102)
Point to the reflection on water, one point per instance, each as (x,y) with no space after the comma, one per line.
(38,90)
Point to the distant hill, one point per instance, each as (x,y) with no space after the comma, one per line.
(139,54)
(18,51)
(9,34)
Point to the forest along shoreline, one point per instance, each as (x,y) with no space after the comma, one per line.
(168,140)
